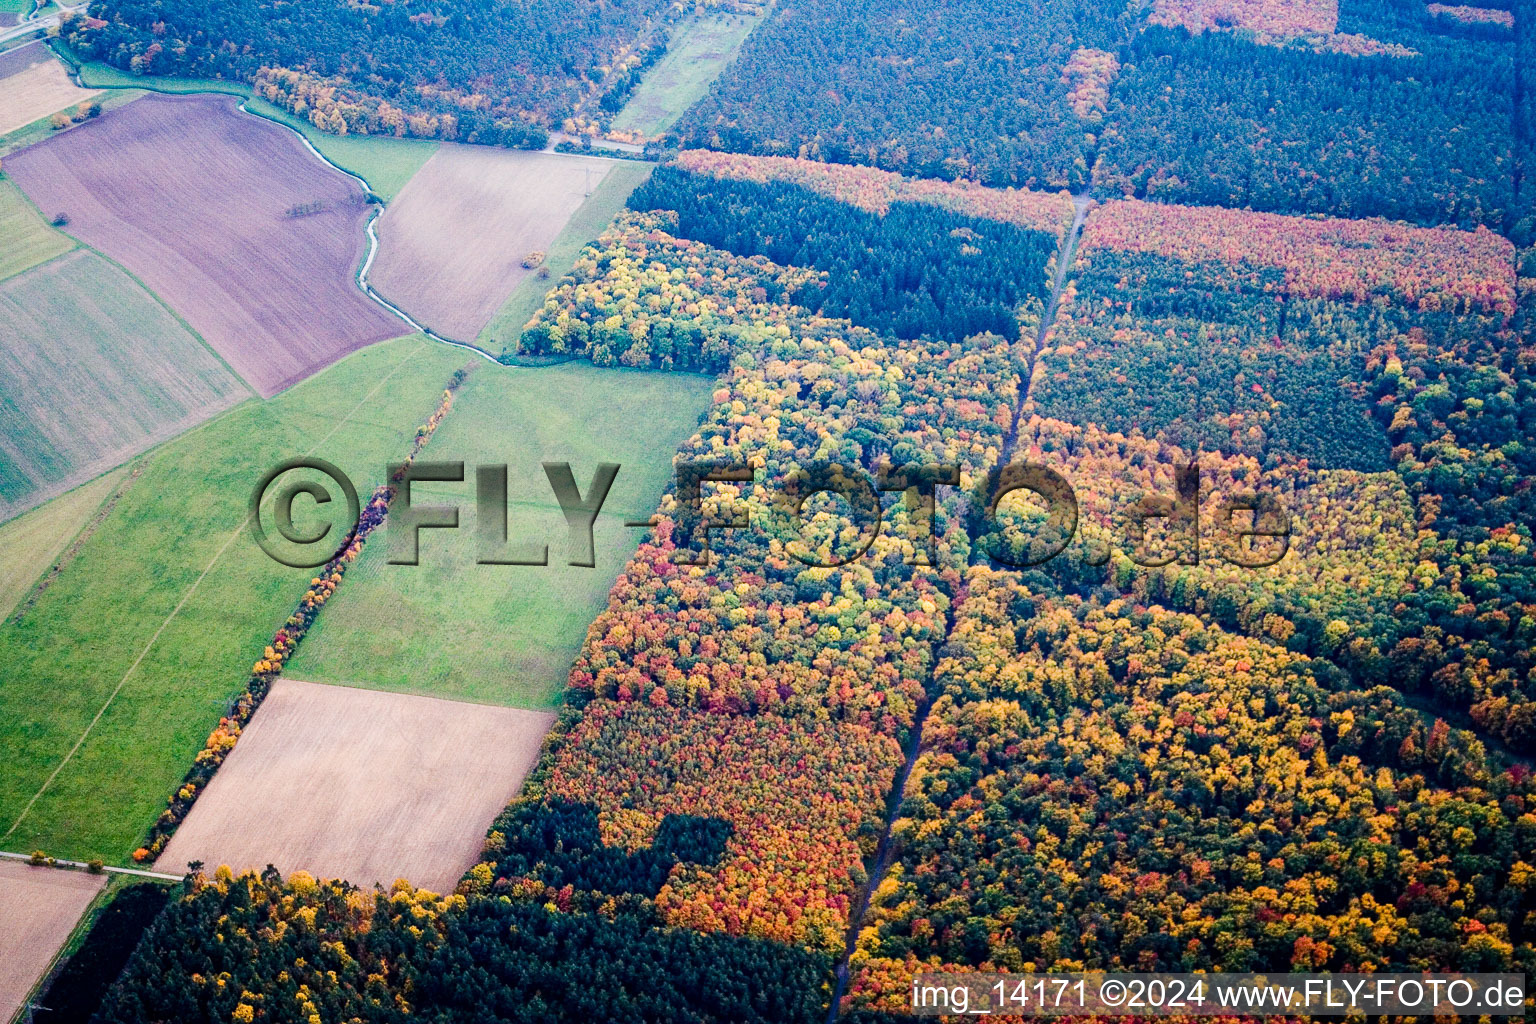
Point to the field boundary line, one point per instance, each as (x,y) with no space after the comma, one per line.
(181,604)
(71,548)
(174,314)
(81,244)
(74,242)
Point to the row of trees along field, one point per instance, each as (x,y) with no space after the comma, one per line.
(1197,771)
(494,71)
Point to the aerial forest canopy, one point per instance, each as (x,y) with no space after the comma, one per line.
(474,70)
(1215,120)
(915,270)
(970,89)
(1398,113)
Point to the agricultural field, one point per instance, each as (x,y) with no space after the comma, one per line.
(360,785)
(229,219)
(501,634)
(28,241)
(20,58)
(39,908)
(453,243)
(701,48)
(113,678)
(93,371)
(589,220)
(384,161)
(35,85)
(30,543)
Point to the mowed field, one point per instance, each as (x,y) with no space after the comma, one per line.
(25,241)
(452,243)
(30,543)
(93,371)
(502,634)
(360,785)
(39,908)
(703,47)
(229,219)
(33,84)
(112,680)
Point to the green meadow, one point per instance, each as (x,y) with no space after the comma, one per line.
(112,679)
(503,634)
(699,52)
(30,542)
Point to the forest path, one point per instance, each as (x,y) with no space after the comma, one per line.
(885,852)
(1064,259)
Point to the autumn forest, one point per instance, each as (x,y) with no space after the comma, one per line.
(1290,245)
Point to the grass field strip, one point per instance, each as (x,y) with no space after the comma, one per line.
(286,640)
(244,523)
(68,552)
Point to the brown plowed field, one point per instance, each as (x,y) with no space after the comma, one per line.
(38,909)
(361,785)
(36,85)
(20,58)
(451,245)
(196,199)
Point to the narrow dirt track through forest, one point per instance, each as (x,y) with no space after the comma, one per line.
(885,851)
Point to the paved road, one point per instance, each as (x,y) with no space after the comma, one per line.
(26,28)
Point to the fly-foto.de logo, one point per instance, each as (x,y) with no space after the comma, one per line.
(1253,526)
